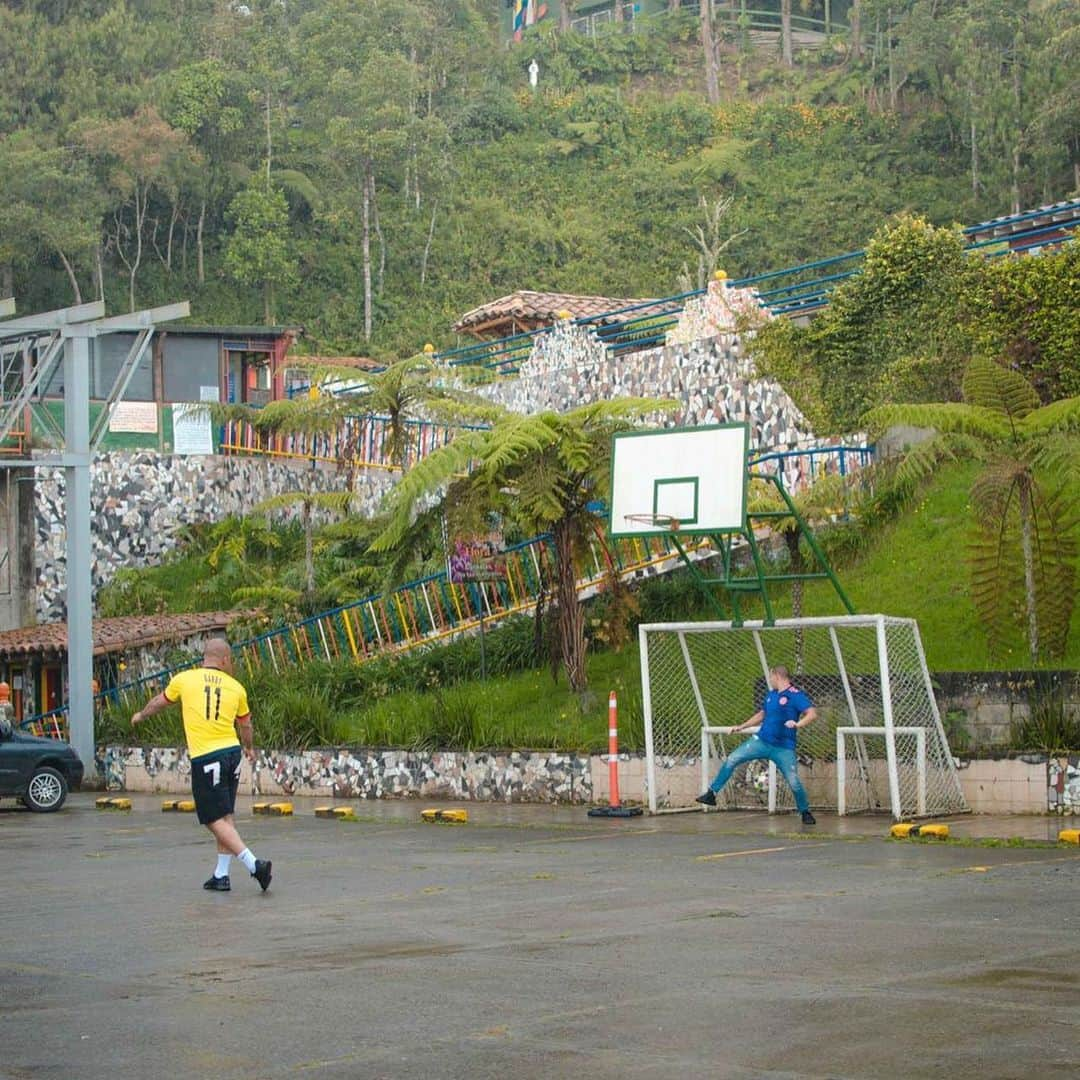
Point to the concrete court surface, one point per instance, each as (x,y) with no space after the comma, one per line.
(532,943)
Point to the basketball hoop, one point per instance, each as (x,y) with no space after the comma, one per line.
(654,521)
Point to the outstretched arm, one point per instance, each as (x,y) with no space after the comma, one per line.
(151,708)
(754,721)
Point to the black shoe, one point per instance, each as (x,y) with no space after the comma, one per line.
(262,873)
(808,818)
(707,799)
(218,884)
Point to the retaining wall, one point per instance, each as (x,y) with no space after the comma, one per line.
(141,499)
(1029,785)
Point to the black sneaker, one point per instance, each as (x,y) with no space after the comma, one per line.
(808,818)
(262,873)
(218,884)
(707,799)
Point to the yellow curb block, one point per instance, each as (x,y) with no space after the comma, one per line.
(112,804)
(1069,836)
(939,832)
(176,806)
(446,817)
(338,813)
(276,809)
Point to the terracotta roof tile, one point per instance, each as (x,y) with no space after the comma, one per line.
(531,309)
(115,635)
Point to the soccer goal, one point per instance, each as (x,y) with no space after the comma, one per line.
(877,745)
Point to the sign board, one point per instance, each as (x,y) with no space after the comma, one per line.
(209,393)
(140,417)
(192,433)
(476,558)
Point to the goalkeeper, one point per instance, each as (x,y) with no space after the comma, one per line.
(784,710)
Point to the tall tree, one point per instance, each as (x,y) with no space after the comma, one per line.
(206,102)
(52,208)
(709,46)
(260,249)
(136,155)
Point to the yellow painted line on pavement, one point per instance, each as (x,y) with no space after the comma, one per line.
(755,851)
(615,834)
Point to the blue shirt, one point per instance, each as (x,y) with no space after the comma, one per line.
(780,706)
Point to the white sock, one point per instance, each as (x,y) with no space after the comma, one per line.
(247,859)
(222,864)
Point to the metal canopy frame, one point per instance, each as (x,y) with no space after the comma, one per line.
(69,331)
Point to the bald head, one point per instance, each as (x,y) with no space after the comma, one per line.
(217,654)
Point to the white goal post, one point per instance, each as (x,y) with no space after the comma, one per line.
(877,745)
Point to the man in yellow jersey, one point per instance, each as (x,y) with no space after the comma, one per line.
(215,707)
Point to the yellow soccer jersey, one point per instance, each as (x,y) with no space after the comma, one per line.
(211,701)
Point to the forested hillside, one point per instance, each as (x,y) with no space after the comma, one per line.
(371,168)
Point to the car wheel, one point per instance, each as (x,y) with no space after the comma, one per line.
(46,791)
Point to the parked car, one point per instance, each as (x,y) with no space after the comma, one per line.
(38,771)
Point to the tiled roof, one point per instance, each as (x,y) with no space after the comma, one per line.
(531,309)
(115,635)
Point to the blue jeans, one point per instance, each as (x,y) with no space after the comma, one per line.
(755,749)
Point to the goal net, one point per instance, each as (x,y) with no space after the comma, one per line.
(877,744)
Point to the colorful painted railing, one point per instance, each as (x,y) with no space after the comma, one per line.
(800,468)
(433,609)
(361,441)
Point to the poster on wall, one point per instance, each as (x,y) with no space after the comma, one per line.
(209,393)
(191,430)
(139,417)
(476,558)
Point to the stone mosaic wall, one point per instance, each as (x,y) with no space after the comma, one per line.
(140,499)
(721,310)
(1064,785)
(712,380)
(1011,786)
(510,776)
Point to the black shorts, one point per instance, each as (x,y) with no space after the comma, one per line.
(215,779)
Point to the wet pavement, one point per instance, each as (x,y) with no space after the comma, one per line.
(535,942)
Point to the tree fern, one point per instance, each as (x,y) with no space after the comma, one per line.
(990,386)
(1025,501)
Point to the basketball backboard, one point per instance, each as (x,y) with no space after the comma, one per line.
(686,480)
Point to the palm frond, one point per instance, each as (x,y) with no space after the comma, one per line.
(424,480)
(945,417)
(1057,455)
(991,386)
(996,489)
(1059,417)
(997,583)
